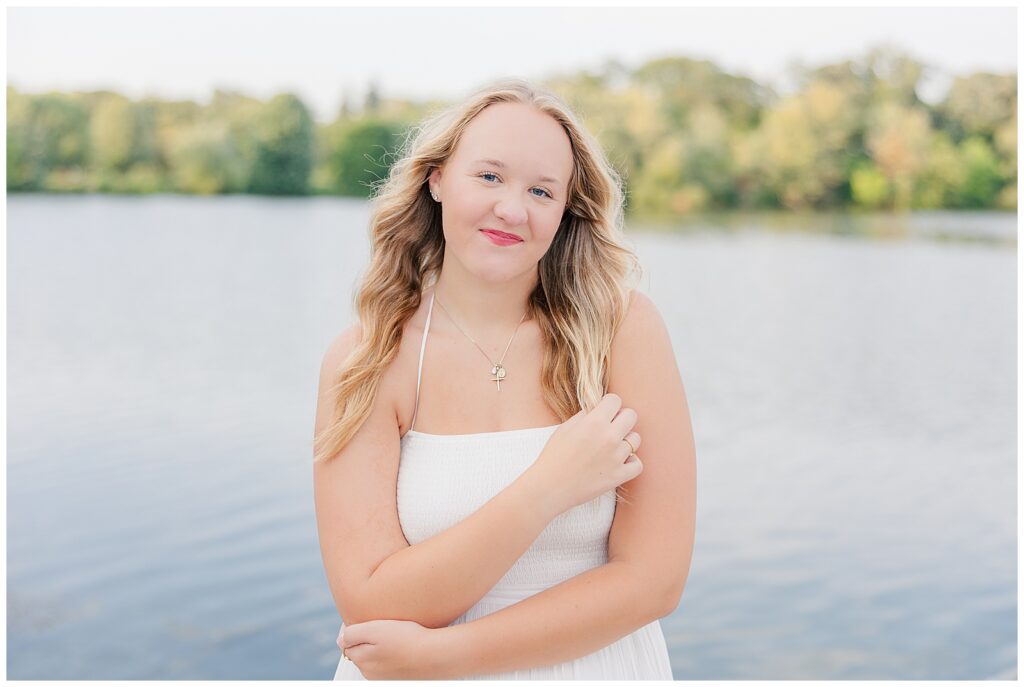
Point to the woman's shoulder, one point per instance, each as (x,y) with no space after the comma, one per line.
(641,313)
(350,337)
(341,346)
(641,324)
(394,375)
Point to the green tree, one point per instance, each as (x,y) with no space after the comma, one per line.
(982,178)
(800,151)
(856,80)
(63,126)
(707,157)
(656,187)
(25,168)
(681,83)
(44,133)
(869,187)
(241,116)
(898,138)
(112,131)
(359,155)
(978,104)
(896,76)
(1005,144)
(936,183)
(205,161)
(285,135)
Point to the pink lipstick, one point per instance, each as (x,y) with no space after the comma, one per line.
(501,238)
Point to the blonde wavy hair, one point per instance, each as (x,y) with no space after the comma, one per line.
(585,276)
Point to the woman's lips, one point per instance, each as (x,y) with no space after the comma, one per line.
(500,238)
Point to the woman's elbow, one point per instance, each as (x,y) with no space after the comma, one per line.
(672,597)
(368,610)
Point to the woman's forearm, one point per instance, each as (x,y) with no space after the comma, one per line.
(437,580)
(572,619)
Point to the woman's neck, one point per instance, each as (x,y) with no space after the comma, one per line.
(485,310)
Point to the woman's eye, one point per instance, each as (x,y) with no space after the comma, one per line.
(543,192)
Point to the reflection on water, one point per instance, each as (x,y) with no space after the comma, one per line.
(991,228)
(852,384)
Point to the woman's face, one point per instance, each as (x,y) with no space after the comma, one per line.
(509,173)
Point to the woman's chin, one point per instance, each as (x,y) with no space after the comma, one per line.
(495,271)
(496,277)
(490,267)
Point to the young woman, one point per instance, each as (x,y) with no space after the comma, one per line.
(474,427)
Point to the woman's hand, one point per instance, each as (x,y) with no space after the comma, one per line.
(396,650)
(590,454)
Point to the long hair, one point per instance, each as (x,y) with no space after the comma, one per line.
(584,277)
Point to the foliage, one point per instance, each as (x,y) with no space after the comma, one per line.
(284,137)
(357,155)
(684,134)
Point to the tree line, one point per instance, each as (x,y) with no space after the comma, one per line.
(686,135)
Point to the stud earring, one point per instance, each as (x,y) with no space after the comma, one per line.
(434,196)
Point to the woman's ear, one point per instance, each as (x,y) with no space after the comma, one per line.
(434,181)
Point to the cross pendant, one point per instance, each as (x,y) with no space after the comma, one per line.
(499,374)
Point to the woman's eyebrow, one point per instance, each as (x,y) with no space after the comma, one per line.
(501,165)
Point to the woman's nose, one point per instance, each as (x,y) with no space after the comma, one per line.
(511,211)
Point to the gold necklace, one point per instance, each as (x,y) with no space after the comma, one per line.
(497,369)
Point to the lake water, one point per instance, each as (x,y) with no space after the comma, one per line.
(853,385)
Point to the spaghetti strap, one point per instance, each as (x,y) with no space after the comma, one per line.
(419,371)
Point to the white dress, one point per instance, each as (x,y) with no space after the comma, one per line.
(444,478)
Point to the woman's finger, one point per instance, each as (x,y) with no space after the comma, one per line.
(634,440)
(351,635)
(628,446)
(635,466)
(357,653)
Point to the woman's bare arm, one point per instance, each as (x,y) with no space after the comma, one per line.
(372,570)
(650,543)
(567,621)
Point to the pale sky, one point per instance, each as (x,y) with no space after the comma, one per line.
(416,52)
